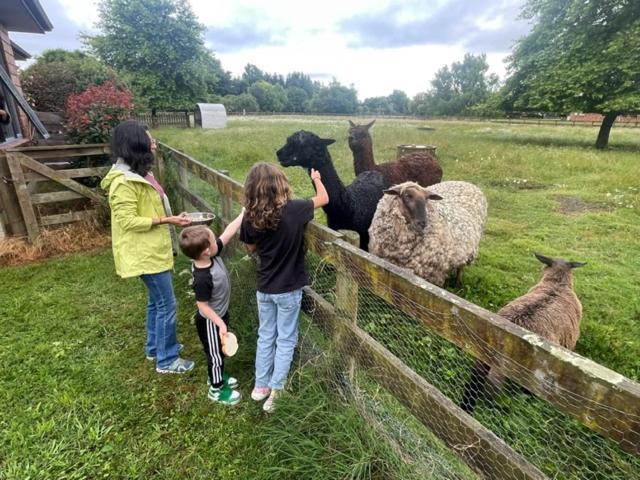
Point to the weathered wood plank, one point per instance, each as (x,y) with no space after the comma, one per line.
(194,199)
(63,151)
(599,398)
(14,223)
(55,175)
(68,174)
(26,207)
(206,173)
(38,198)
(68,217)
(476,445)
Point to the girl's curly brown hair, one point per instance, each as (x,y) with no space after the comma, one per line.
(266,191)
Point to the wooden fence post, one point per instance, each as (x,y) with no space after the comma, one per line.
(13,215)
(183,181)
(17,175)
(347,296)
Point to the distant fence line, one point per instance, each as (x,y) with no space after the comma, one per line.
(182,118)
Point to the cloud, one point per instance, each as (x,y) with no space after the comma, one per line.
(243,35)
(481,25)
(65,33)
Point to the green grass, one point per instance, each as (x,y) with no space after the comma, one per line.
(549,190)
(80,402)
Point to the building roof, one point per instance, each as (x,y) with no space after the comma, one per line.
(24,16)
(19,53)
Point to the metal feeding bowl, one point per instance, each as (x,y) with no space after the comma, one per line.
(201,218)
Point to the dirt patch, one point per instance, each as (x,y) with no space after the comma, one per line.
(575,206)
(517,184)
(66,239)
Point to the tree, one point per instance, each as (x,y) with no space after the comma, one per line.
(56,74)
(271,98)
(399,102)
(377,105)
(334,98)
(296,99)
(455,89)
(159,44)
(240,103)
(580,56)
(300,80)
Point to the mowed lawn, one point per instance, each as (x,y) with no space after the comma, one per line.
(549,191)
(79,401)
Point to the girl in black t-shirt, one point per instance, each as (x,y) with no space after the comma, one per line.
(273,226)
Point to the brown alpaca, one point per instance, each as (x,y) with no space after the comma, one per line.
(422,168)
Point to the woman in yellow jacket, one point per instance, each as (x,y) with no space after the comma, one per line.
(143,240)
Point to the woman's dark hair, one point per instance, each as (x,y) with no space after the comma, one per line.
(131,142)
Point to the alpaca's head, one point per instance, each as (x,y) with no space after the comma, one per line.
(557,269)
(304,149)
(412,201)
(359,135)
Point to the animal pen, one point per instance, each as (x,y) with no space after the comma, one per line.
(402,351)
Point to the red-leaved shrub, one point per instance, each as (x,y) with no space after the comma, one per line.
(92,114)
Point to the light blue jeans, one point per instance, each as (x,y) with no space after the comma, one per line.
(161,319)
(277,337)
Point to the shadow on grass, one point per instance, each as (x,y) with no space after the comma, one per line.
(559,142)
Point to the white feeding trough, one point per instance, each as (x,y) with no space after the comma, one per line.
(210,115)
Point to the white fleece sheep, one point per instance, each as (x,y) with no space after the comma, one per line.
(430,231)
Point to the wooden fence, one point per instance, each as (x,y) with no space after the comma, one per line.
(609,403)
(35,180)
(181,119)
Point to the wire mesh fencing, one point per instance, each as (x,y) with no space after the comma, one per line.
(394,360)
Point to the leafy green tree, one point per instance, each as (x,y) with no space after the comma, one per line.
(399,102)
(334,98)
(58,73)
(297,98)
(159,45)
(455,89)
(271,98)
(580,56)
(377,105)
(244,102)
(300,80)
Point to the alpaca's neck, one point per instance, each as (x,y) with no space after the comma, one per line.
(334,186)
(363,156)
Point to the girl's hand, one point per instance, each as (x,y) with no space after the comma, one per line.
(315,175)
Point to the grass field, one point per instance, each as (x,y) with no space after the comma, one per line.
(549,191)
(80,402)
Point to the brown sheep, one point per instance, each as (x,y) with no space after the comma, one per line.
(550,308)
(422,168)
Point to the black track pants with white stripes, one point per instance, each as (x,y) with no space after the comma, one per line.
(209,334)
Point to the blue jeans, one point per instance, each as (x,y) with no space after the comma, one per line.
(161,319)
(277,336)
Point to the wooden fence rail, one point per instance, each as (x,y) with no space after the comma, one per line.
(608,402)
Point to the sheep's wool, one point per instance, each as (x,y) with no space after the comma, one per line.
(450,240)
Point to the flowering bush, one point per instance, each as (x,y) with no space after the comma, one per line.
(92,114)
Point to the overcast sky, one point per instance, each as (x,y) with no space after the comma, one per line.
(377,45)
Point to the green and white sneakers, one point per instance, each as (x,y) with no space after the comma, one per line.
(227,381)
(224,395)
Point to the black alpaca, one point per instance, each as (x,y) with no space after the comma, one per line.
(350,207)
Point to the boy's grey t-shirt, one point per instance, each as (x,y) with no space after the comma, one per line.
(211,284)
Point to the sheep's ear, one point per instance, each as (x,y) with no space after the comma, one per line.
(370,124)
(392,191)
(546,260)
(327,141)
(352,124)
(434,196)
(577,264)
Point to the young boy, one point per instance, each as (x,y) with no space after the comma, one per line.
(213,291)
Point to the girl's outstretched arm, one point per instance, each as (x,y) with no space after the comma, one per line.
(322,197)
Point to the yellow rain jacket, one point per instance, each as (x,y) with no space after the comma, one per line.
(138,247)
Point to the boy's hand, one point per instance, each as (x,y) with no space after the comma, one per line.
(315,175)
(223,330)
